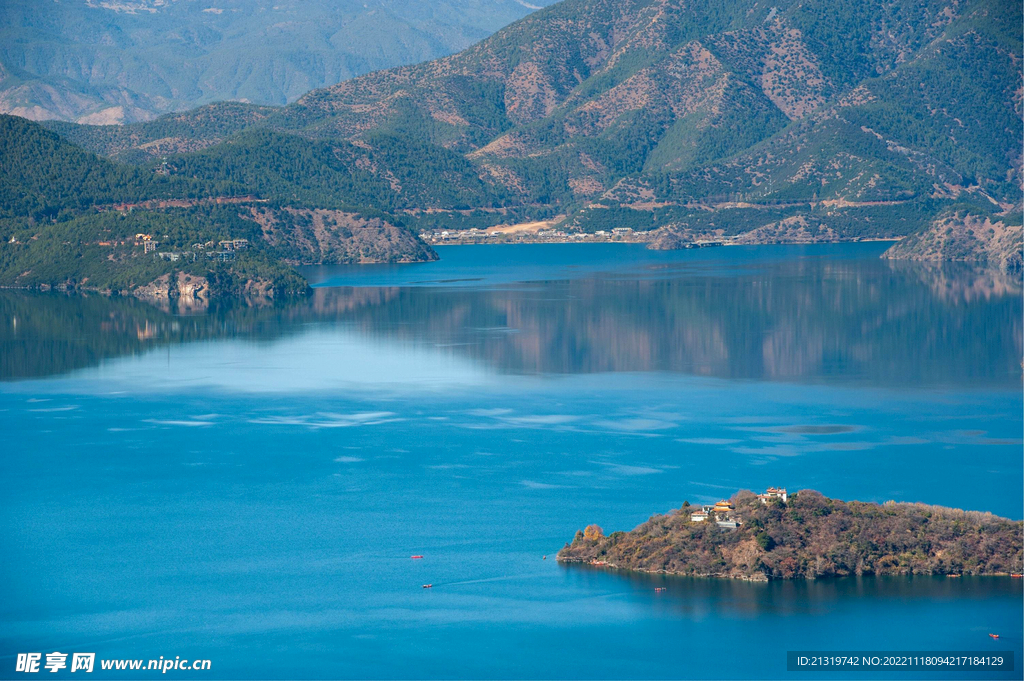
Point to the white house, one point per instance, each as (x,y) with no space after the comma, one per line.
(773,493)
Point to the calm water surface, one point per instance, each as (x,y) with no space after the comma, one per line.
(247,484)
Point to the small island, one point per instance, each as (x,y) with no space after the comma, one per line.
(776,535)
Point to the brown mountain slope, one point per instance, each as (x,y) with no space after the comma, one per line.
(967,237)
(318,237)
(650,106)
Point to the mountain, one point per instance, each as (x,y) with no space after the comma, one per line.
(723,118)
(70,219)
(44,177)
(119,61)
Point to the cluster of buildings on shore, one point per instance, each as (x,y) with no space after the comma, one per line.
(723,513)
(514,234)
(223,250)
(474,233)
(497,233)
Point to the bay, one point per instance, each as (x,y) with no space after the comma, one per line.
(247,484)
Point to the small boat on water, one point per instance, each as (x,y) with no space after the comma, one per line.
(994,635)
(1016,575)
(416,557)
(659,588)
(428,586)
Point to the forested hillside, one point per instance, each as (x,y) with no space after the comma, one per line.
(652,110)
(71,219)
(381,171)
(102,252)
(44,177)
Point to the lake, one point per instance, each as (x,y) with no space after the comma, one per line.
(247,484)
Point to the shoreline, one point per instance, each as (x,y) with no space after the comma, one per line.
(761,578)
(480,241)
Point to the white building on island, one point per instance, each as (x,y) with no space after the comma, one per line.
(774,493)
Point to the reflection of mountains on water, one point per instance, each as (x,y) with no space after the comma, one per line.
(960,282)
(861,320)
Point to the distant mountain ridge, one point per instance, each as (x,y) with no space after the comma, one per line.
(650,113)
(120,61)
(711,119)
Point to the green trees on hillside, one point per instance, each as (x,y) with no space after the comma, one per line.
(100,251)
(954,103)
(589,102)
(43,177)
(384,172)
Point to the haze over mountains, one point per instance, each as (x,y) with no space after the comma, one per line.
(119,61)
(806,121)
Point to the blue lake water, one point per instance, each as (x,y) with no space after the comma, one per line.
(247,485)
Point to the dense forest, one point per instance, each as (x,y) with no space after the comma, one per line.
(100,251)
(383,172)
(43,177)
(70,219)
(809,536)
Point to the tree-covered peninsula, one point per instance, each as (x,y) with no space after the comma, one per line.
(807,535)
(74,221)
